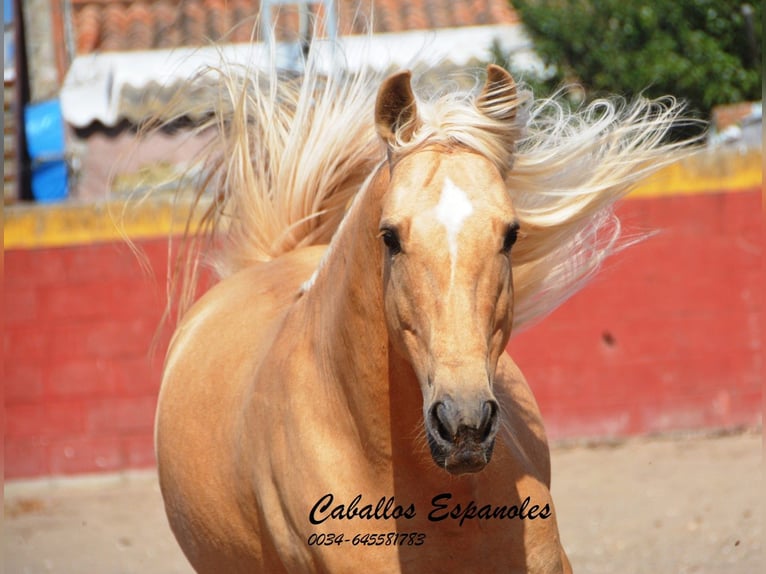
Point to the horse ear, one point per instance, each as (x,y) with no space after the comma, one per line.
(395,109)
(498,99)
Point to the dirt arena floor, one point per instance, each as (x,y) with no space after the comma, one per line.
(654,506)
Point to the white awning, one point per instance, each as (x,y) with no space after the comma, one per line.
(96,85)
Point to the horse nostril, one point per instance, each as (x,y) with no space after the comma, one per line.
(449,427)
(438,421)
(488,418)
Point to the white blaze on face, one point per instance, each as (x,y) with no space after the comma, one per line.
(453,209)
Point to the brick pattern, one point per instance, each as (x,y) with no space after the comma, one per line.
(113,25)
(80,384)
(668,337)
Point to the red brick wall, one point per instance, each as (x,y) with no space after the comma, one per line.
(80,388)
(668,337)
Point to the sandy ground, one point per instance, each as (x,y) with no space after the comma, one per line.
(661,506)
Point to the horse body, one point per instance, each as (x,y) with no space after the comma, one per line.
(263,412)
(208,378)
(353,403)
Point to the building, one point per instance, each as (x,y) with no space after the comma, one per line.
(112,63)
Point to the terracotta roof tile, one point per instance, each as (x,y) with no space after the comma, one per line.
(219,17)
(114,25)
(194,21)
(461,11)
(88,24)
(140,27)
(108,25)
(166,32)
(441,18)
(498,11)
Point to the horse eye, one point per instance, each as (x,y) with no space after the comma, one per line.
(511,235)
(391,239)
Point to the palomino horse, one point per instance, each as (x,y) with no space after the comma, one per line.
(351,407)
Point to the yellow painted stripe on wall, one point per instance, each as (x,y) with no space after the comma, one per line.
(72,223)
(706,172)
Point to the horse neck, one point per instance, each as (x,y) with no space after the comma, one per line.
(377,385)
(346,303)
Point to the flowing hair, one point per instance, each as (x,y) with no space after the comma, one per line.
(288,154)
(292,150)
(570,169)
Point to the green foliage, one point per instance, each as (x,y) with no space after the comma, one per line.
(700,51)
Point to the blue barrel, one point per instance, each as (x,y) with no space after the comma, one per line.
(45,143)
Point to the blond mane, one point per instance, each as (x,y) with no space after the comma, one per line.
(291,152)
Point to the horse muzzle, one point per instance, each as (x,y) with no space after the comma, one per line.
(462,439)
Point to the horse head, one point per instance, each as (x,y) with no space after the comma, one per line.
(448,227)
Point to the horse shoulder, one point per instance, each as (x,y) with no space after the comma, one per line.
(526,435)
(208,375)
(524,428)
